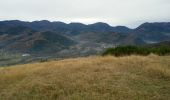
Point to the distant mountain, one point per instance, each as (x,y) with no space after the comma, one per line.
(22,39)
(122,29)
(45,25)
(46,37)
(153,32)
(154,27)
(161,44)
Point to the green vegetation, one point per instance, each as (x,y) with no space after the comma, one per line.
(7,58)
(129,50)
(43,60)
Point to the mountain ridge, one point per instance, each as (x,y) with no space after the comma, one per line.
(84,39)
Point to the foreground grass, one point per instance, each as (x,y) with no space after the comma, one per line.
(92,78)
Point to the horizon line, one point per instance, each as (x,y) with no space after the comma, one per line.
(72,22)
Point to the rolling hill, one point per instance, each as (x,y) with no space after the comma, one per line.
(23,39)
(160,44)
(61,40)
(92,78)
(145,33)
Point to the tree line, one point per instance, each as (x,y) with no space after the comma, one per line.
(137,50)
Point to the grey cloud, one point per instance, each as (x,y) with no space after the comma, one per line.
(114,12)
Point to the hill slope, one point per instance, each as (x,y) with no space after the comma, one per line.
(23,39)
(153,32)
(75,39)
(93,78)
(145,33)
(161,44)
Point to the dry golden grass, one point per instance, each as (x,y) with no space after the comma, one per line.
(92,78)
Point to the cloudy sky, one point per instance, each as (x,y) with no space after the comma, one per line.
(115,12)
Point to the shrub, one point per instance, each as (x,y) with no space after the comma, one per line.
(43,60)
(129,50)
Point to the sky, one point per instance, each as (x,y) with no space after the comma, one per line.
(130,13)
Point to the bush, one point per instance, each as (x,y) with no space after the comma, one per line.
(129,50)
(43,60)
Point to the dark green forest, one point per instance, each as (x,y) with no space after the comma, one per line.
(137,50)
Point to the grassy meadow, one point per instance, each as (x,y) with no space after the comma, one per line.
(92,78)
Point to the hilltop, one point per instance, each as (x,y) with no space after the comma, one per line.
(91,78)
